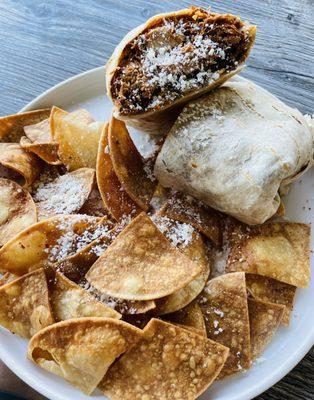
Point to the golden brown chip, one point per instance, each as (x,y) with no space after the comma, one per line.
(75,266)
(190,316)
(24,304)
(49,241)
(196,251)
(64,195)
(26,165)
(40,132)
(265,319)
(94,205)
(125,307)
(272,291)
(48,152)
(167,363)
(278,250)
(38,140)
(224,306)
(17,210)
(129,166)
(115,198)
(69,301)
(185,209)
(141,264)
(11,126)
(81,350)
(192,329)
(77,135)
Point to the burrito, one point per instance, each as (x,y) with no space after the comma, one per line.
(173,58)
(235,149)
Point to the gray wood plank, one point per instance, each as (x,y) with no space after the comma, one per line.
(44,42)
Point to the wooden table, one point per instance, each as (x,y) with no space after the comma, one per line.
(45,42)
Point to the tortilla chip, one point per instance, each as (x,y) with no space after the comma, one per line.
(38,140)
(17,210)
(272,291)
(278,250)
(192,329)
(125,307)
(94,205)
(196,251)
(24,304)
(48,242)
(64,195)
(26,165)
(48,152)
(77,135)
(191,315)
(76,265)
(167,363)
(69,301)
(11,126)
(185,209)
(224,306)
(129,165)
(115,198)
(141,264)
(265,319)
(81,350)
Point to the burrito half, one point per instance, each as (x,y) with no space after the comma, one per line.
(234,149)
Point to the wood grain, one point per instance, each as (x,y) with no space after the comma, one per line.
(44,42)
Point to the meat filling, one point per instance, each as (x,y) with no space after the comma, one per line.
(175,57)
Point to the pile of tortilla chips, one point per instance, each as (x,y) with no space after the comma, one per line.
(142,301)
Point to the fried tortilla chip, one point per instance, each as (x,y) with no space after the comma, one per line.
(77,135)
(76,266)
(115,198)
(48,152)
(185,209)
(125,307)
(81,350)
(49,241)
(17,210)
(26,166)
(265,319)
(129,165)
(38,140)
(272,291)
(141,264)
(64,195)
(196,251)
(167,363)
(189,316)
(69,301)
(224,306)
(11,126)
(192,329)
(24,304)
(94,205)
(278,250)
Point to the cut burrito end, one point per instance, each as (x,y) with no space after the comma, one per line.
(175,57)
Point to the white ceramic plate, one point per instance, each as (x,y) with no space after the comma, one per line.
(286,350)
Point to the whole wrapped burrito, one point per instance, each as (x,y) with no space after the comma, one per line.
(234,149)
(172,58)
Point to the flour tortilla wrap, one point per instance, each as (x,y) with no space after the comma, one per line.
(158,119)
(234,149)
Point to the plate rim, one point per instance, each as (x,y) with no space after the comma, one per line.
(261,386)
